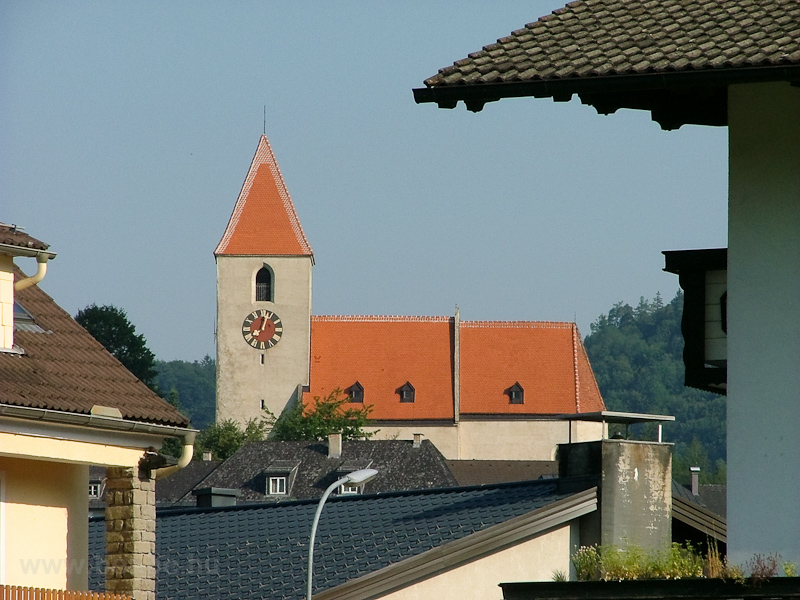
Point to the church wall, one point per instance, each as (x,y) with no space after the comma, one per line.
(243,380)
(534,439)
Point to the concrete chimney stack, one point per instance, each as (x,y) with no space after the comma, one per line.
(417,440)
(334,445)
(695,480)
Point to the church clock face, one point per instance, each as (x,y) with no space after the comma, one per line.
(262,329)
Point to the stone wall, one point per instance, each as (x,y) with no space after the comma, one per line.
(130,533)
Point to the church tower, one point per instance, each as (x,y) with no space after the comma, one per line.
(263,298)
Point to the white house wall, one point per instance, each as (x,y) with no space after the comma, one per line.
(533,560)
(764,321)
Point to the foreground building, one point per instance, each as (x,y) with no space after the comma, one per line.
(705,62)
(66,404)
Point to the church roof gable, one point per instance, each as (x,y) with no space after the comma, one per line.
(264,221)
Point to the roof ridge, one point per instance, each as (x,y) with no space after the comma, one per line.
(520,324)
(169,510)
(575,369)
(264,156)
(381,318)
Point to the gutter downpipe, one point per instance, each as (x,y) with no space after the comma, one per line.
(41,271)
(186,457)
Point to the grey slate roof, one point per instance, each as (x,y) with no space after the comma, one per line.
(260,551)
(476,472)
(400,467)
(180,484)
(599,45)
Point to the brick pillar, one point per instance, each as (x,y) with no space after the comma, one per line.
(130,533)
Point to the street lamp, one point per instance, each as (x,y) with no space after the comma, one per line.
(357,477)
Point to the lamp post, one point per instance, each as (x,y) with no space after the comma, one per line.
(357,477)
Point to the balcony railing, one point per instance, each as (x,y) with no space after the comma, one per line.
(12,592)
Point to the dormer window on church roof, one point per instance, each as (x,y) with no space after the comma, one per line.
(407,392)
(516,395)
(357,393)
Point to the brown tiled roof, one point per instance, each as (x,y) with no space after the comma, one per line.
(382,353)
(64,368)
(600,45)
(264,221)
(10,235)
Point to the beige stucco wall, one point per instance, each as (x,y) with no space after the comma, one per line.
(67,450)
(534,560)
(43,524)
(6,301)
(242,380)
(498,440)
(763,403)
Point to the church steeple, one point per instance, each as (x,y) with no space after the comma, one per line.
(264,221)
(263,328)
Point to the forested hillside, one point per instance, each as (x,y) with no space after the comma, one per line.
(636,354)
(195,384)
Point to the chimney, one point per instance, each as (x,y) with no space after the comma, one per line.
(213,497)
(207,456)
(695,480)
(417,440)
(334,445)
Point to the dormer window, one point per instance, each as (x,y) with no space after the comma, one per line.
(406,392)
(357,393)
(516,394)
(264,284)
(277,486)
(279,477)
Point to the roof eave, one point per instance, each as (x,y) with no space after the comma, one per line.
(609,93)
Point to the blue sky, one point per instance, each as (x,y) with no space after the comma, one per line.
(128,129)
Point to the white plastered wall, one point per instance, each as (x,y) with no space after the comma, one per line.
(534,560)
(496,439)
(243,381)
(764,321)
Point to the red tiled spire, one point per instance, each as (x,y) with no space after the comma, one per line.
(264,221)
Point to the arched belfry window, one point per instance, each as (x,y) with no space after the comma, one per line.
(264,285)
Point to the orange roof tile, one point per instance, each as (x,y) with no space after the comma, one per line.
(264,221)
(382,353)
(547,359)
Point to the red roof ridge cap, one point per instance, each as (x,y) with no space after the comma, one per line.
(382,318)
(575,368)
(520,324)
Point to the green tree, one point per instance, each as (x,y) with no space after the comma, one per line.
(637,357)
(225,438)
(110,326)
(327,415)
(195,384)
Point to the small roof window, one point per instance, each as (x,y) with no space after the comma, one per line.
(516,395)
(407,392)
(357,393)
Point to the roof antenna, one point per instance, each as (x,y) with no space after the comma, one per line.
(265,119)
